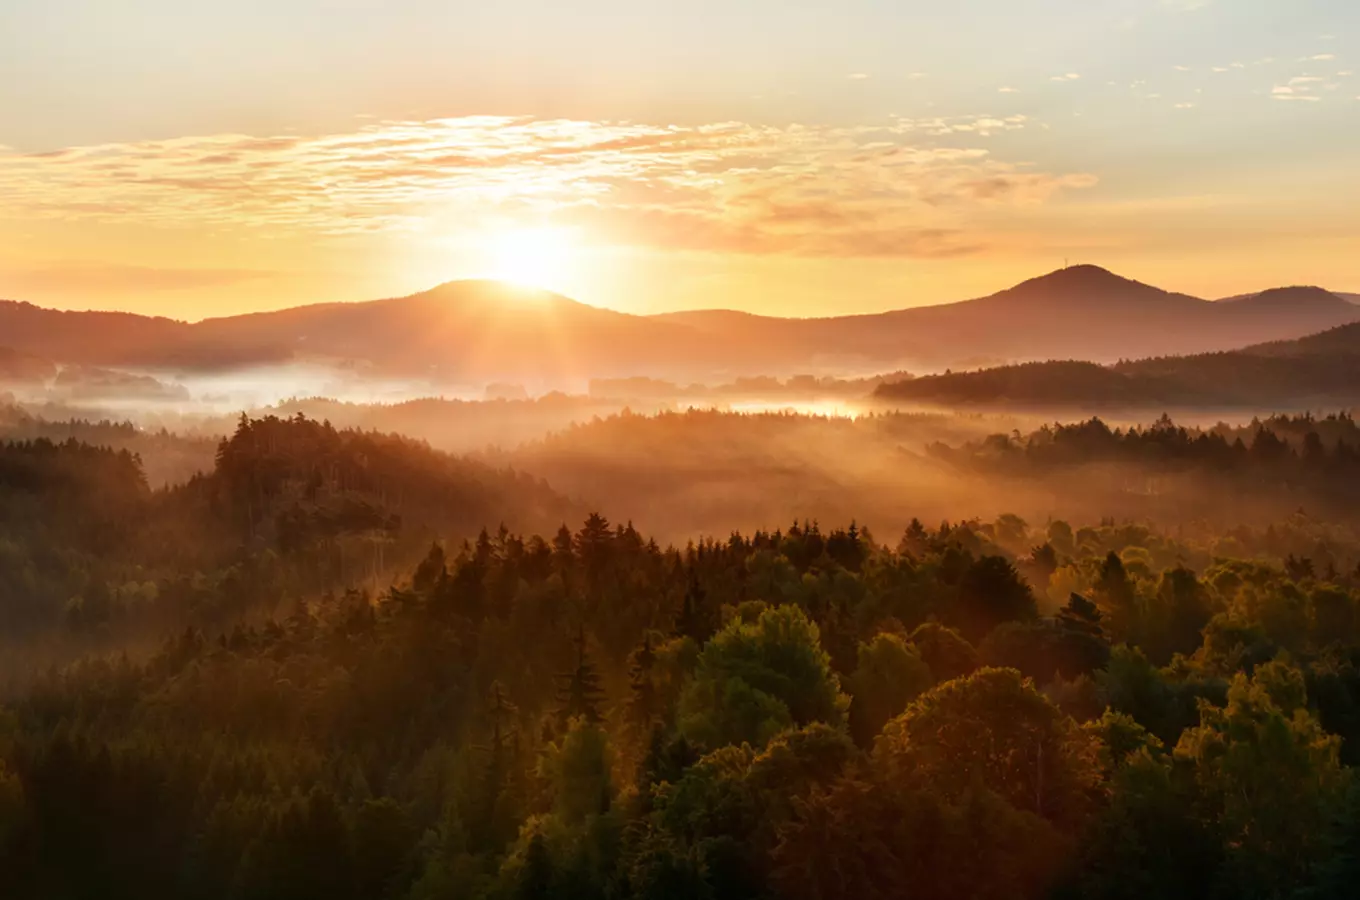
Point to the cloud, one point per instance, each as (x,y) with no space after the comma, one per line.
(1286,92)
(1185,5)
(1185,106)
(858,76)
(1321,57)
(1300,87)
(1070,76)
(903,185)
(97,277)
(1007,90)
(1181,68)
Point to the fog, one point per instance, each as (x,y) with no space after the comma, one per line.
(679,461)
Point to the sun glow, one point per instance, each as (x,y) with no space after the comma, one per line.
(533,257)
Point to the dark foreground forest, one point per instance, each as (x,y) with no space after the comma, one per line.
(971,709)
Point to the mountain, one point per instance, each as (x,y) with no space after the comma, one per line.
(1298,296)
(474,329)
(481,330)
(477,329)
(1316,371)
(1082,312)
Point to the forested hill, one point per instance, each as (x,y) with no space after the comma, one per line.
(1299,462)
(290,507)
(167,458)
(975,710)
(1320,370)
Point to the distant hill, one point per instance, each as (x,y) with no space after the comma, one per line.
(477,329)
(480,330)
(1317,370)
(1294,298)
(1082,312)
(97,338)
(24,368)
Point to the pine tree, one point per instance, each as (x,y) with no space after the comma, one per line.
(501,714)
(535,881)
(642,709)
(690,622)
(431,571)
(1080,614)
(562,547)
(581,694)
(499,776)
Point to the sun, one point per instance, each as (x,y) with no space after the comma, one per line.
(532,257)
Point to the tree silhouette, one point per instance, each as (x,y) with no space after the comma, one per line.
(581,693)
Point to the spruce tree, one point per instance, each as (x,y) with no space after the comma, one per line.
(581,694)
(642,706)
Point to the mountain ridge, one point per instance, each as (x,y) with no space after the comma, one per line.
(1321,369)
(482,329)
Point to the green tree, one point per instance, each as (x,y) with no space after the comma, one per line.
(383,838)
(644,707)
(944,651)
(1117,598)
(578,770)
(1268,777)
(580,695)
(990,593)
(534,879)
(755,679)
(995,730)
(890,675)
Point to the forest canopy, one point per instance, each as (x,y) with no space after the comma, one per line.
(363,692)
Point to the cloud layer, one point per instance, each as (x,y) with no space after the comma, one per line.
(905,187)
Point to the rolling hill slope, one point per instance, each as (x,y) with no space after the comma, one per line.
(482,330)
(1315,371)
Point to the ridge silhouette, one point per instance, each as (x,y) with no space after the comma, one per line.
(481,329)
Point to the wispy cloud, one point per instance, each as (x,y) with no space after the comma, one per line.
(902,186)
(858,76)
(1070,76)
(1007,90)
(1292,92)
(93,277)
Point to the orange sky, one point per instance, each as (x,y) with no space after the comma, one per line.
(856,181)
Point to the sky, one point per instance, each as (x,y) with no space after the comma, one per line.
(784,157)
